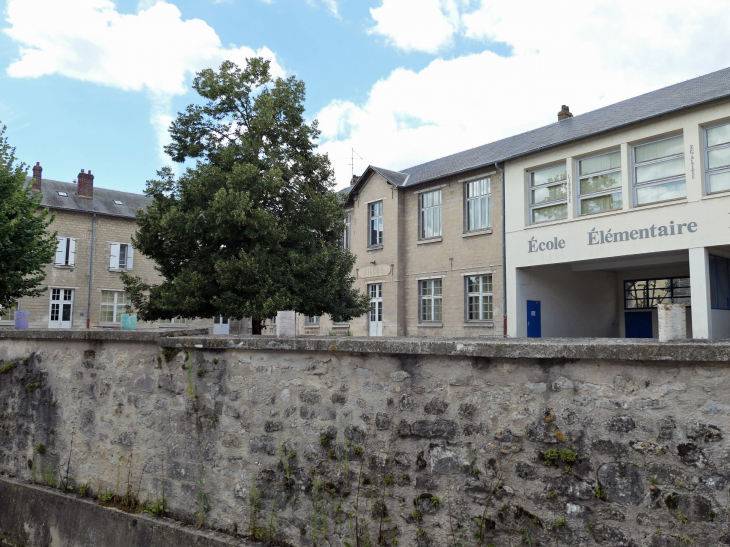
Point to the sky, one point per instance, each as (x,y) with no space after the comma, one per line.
(94,84)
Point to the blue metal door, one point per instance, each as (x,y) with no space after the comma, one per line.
(638,324)
(534,328)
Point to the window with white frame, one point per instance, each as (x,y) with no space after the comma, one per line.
(717,158)
(479,298)
(7,313)
(375,236)
(430,214)
(430,296)
(313,320)
(478,204)
(548,194)
(65,252)
(121,256)
(599,183)
(347,230)
(113,305)
(659,172)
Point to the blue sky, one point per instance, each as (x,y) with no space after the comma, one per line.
(92,84)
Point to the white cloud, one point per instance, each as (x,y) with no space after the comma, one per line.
(153,50)
(583,54)
(330,5)
(417,25)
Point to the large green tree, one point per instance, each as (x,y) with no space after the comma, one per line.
(26,245)
(253,226)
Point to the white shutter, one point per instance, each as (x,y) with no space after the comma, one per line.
(114,256)
(61,251)
(72,253)
(130,256)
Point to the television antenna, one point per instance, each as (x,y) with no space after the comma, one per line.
(352,161)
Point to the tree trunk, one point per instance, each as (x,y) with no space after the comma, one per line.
(256,325)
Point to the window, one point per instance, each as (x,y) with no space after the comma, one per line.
(346,232)
(174,321)
(313,320)
(430,299)
(548,194)
(599,183)
(659,172)
(717,158)
(479,298)
(719,283)
(430,207)
(644,294)
(113,304)
(63,194)
(121,256)
(273,320)
(479,204)
(65,252)
(376,223)
(118,202)
(8,313)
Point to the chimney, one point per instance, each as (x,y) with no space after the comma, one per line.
(354,180)
(37,170)
(564,114)
(86,185)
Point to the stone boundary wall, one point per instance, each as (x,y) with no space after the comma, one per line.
(422,442)
(36,516)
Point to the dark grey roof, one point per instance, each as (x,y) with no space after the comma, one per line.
(710,87)
(102,203)
(393,177)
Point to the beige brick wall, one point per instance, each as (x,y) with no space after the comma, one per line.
(108,230)
(455,253)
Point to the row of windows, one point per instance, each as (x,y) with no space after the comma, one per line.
(121,255)
(478,292)
(113,305)
(658,174)
(477,211)
(430,297)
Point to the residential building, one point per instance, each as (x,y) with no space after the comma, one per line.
(95,227)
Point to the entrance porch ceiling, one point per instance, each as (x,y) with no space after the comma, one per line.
(632,262)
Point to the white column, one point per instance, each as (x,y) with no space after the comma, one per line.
(699,277)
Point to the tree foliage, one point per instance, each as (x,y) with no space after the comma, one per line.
(254,226)
(26,246)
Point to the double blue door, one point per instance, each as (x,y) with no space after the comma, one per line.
(638,324)
(534,322)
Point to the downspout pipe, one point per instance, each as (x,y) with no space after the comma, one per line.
(504,253)
(91,271)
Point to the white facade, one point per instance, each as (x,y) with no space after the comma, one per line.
(576,268)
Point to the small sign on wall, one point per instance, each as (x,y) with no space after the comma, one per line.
(21,319)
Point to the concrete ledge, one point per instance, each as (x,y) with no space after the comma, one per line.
(36,516)
(141,335)
(517,348)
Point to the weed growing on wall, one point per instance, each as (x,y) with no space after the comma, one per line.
(202,503)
